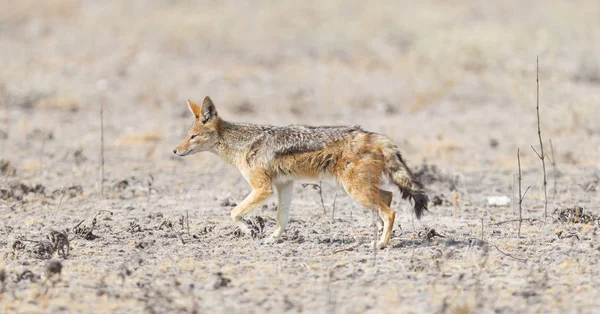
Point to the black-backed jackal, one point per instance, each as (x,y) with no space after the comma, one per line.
(272,157)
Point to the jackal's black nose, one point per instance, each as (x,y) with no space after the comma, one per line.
(175,151)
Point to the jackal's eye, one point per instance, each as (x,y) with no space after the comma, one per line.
(193,136)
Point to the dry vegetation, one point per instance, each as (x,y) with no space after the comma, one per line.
(452,82)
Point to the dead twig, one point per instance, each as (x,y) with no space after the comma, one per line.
(167,223)
(173,262)
(526,190)
(576,214)
(330,303)
(349,248)
(511,256)
(320,190)
(541,155)
(105,211)
(521,196)
(513,220)
(566,236)
(86,232)
(485,256)
(333,208)
(55,242)
(64,191)
(481,229)
(554,173)
(102,149)
(429,234)
(187,222)
(149,180)
(79,224)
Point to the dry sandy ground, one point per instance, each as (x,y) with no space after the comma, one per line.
(453,83)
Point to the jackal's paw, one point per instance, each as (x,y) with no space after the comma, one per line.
(271,239)
(380,244)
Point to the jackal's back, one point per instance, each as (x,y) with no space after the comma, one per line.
(300,138)
(271,142)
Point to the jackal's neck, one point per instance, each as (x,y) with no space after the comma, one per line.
(234,139)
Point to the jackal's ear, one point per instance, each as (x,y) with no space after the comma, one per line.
(209,112)
(195,109)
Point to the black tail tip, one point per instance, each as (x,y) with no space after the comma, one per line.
(421,201)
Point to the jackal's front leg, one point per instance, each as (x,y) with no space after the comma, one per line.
(284,198)
(257,195)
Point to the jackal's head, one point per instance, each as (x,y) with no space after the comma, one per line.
(202,136)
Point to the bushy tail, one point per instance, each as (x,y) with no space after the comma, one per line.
(401,175)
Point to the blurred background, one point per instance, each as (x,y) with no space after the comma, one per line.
(453,82)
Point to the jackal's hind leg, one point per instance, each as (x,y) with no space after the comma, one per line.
(385,197)
(360,182)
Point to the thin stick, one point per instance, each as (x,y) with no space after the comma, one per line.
(102,148)
(554,191)
(150,180)
(520,197)
(520,194)
(333,208)
(321,196)
(77,225)
(513,220)
(329,302)
(526,190)
(541,154)
(173,262)
(349,248)
(485,257)
(104,211)
(320,190)
(517,258)
(481,229)
(187,222)
(64,191)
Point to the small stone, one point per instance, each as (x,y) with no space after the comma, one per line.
(498,200)
(227,202)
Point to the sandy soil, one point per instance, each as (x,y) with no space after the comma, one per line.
(453,83)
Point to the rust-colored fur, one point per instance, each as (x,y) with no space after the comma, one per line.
(272,157)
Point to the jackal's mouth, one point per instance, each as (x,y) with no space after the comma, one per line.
(181,153)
